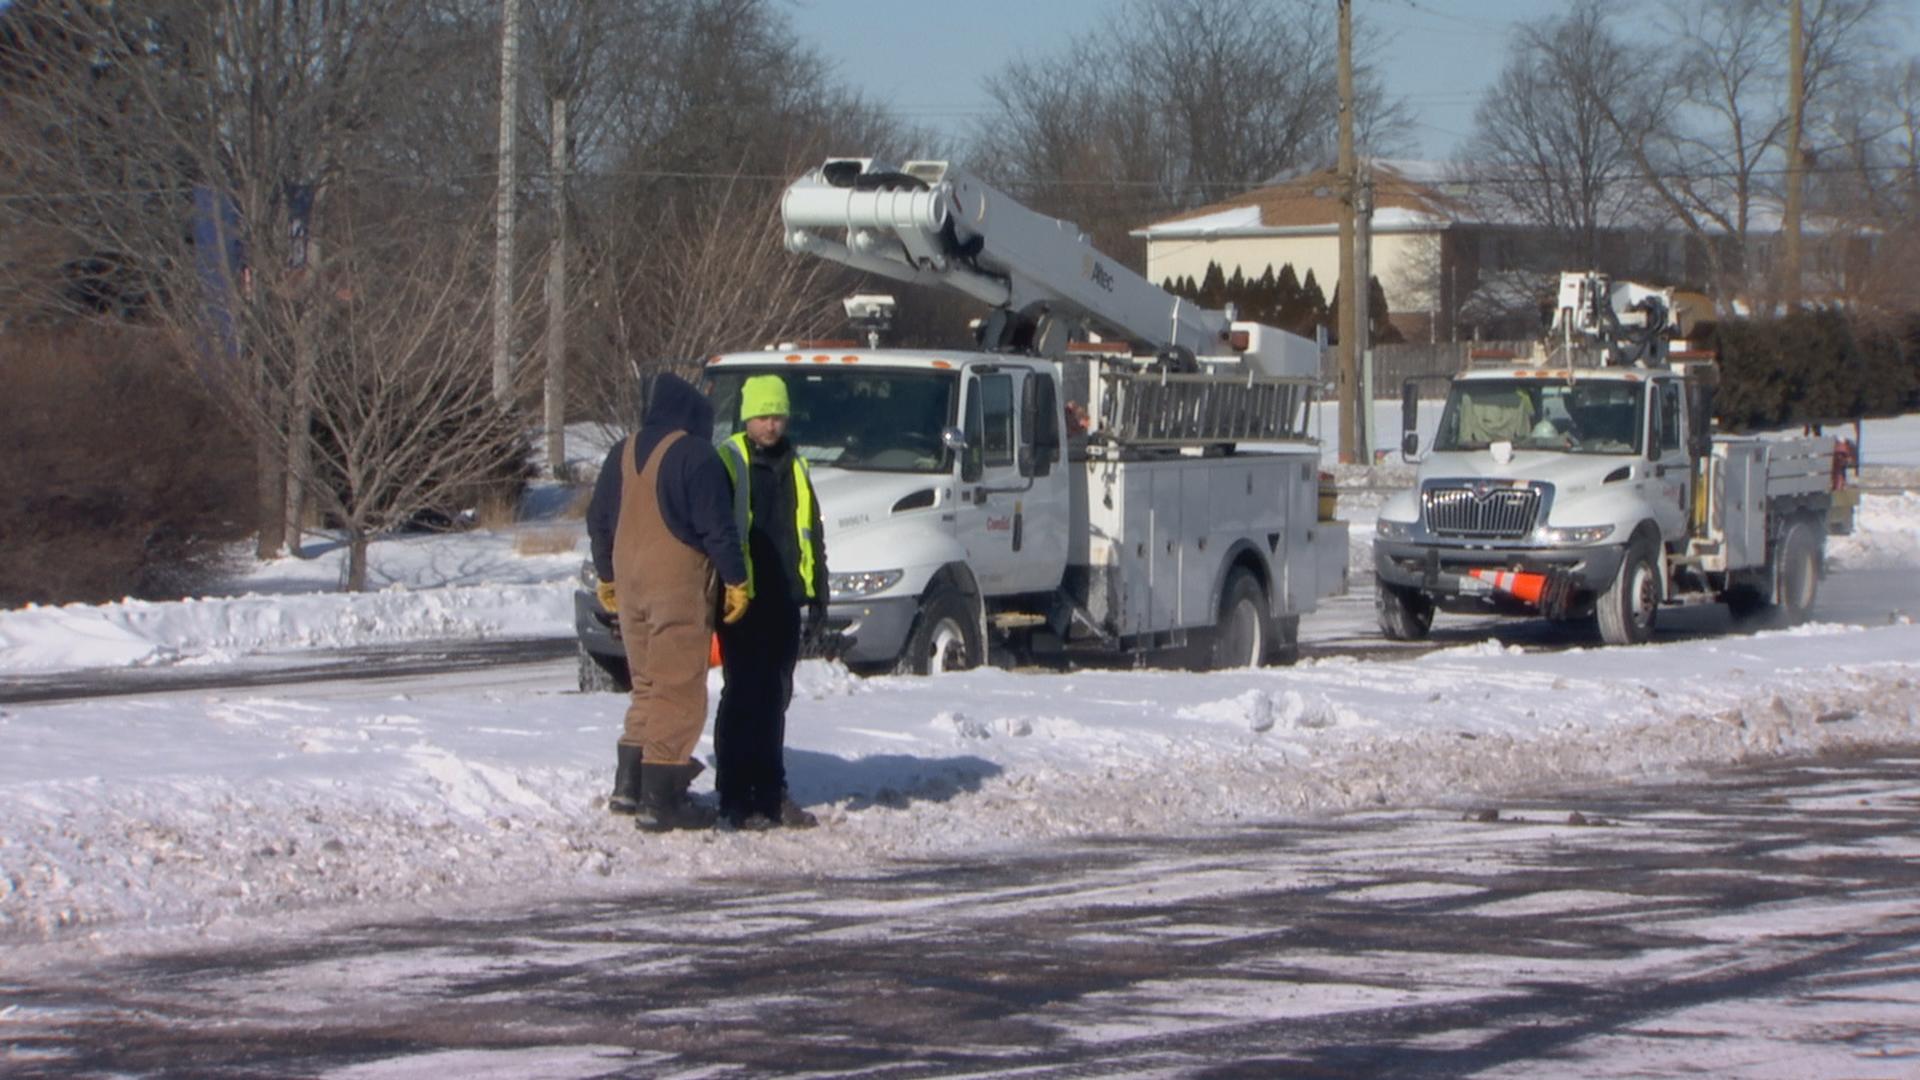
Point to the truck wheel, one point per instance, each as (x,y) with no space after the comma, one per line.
(596,678)
(1625,610)
(1799,580)
(946,636)
(1405,614)
(1240,637)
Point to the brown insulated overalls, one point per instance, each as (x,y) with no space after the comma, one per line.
(666,595)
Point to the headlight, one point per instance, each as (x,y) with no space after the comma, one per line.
(1393,530)
(589,578)
(1576,534)
(864,583)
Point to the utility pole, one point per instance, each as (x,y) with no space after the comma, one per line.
(1796,164)
(556,388)
(503,211)
(1363,309)
(1347,381)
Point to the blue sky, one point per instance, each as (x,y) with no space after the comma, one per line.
(927,59)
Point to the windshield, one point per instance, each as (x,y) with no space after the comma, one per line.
(1597,416)
(853,417)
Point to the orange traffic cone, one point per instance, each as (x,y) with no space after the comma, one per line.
(1528,587)
(713,652)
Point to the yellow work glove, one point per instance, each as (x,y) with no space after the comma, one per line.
(735,607)
(604,591)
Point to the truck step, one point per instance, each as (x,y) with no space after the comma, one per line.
(1015,620)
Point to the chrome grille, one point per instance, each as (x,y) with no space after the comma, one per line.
(1491,513)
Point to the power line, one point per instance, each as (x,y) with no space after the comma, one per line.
(1463,20)
(1466,179)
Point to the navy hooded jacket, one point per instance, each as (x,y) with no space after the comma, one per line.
(696,499)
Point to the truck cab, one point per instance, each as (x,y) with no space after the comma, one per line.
(941,482)
(1549,473)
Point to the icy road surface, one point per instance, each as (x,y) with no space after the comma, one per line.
(1760,923)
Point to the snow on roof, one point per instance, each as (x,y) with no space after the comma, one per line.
(1237,220)
(1412,195)
(1405,196)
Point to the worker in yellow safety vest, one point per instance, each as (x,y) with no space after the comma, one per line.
(778,519)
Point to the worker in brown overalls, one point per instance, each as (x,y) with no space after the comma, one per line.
(661,527)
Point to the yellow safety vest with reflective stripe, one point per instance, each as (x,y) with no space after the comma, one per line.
(734,453)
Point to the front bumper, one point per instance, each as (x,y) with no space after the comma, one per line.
(1441,569)
(596,627)
(859,632)
(872,631)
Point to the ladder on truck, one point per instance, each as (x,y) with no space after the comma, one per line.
(1163,409)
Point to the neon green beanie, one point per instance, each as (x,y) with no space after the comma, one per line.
(763,395)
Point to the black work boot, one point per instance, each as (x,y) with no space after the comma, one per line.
(737,820)
(793,816)
(664,803)
(626,781)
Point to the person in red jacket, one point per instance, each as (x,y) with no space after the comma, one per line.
(661,527)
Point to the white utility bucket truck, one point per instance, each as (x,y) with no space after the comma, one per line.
(1586,481)
(1018,500)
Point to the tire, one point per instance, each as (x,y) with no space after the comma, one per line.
(945,637)
(1626,609)
(1795,584)
(597,678)
(1240,637)
(1797,579)
(1405,614)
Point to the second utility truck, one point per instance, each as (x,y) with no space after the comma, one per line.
(1586,481)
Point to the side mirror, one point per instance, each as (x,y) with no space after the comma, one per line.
(1410,411)
(955,439)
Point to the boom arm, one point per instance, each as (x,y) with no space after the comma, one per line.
(929,223)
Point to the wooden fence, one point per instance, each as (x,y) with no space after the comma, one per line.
(1394,364)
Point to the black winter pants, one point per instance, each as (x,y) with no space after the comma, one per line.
(757,655)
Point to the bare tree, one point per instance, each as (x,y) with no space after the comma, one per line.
(705,278)
(582,59)
(1061,140)
(1546,154)
(1176,103)
(1707,133)
(1868,193)
(216,149)
(403,423)
(279,129)
(680,238)
(233,119)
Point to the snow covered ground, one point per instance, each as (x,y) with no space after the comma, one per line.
(169,817)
